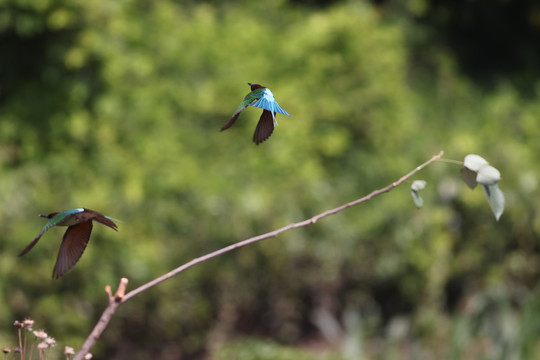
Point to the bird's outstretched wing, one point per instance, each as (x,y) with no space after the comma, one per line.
(264,128)
(34,242)
(52,222)
(232,120)
(268,102)
(248,100)
(72,247)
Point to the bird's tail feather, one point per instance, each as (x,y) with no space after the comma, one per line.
(105,220)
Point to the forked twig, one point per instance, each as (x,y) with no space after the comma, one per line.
(120,296)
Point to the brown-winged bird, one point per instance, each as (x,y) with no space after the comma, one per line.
(79,223)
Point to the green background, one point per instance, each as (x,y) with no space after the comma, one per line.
(116,106)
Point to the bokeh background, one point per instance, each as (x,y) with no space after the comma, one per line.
(116,106)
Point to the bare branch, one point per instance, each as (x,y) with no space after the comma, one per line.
(275,233)
(114,303)
(119,298)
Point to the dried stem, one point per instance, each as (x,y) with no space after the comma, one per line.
(121,297)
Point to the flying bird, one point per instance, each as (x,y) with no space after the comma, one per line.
(79,223)
(263,98)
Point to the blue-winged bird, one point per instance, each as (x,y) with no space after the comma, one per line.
(263,98)
(79,223)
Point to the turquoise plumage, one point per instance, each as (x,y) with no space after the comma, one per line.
(263,98)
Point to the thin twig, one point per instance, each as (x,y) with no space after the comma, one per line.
(119,298)
(114,303)
(451,161)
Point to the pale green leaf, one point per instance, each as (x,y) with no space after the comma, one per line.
(418,201)
(488,175)
(474,162)
(496,199)
(418,185)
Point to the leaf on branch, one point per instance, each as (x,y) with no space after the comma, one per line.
(477,170)
(474,162)
(488,175)
(416,186)
(469,177)
(496,199)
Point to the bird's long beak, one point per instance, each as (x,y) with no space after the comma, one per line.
(250,84)
(43,215)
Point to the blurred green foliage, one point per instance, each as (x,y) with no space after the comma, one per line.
(117,106)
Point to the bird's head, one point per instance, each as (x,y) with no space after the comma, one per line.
(48,216)
(255,86)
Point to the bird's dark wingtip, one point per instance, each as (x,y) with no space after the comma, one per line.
(265,127)
(257,142)
(56,274)
(30,246)
(230,122)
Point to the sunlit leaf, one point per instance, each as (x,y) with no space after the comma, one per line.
(418,185)
(488,175)
(418,201)
(474,162)
(496,199)
(469,177)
